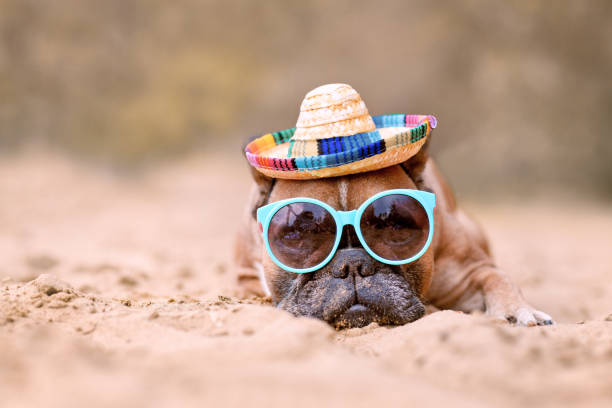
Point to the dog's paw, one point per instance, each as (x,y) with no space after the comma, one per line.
(522,316)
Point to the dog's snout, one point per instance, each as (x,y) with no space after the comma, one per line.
(353,261)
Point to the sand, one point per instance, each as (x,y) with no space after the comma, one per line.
(118,291)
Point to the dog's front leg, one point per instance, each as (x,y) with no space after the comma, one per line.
(502,298)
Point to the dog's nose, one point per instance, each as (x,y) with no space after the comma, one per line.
(352,261)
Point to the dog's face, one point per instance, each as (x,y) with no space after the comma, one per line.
(353,289)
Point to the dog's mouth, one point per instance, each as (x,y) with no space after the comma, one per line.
(357,315)
(384,298)
(361,315)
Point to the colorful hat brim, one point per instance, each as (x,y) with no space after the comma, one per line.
(395,139)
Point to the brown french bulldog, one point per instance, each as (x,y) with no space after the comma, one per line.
(352,290)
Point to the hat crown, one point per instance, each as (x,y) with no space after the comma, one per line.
(328,95)
(332,110)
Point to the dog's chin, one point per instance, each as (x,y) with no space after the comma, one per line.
(359,315)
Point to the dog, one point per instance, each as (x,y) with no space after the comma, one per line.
(457,272)
(353,287)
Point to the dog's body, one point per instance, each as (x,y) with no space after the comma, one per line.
(457,272)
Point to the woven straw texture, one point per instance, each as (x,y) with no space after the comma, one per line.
(328,95)
(332,110)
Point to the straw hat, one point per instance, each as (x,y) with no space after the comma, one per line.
(335,135)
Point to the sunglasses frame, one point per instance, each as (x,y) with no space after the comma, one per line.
(343,218)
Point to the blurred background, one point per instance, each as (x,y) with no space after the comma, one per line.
(522,89)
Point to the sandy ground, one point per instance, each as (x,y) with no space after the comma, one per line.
(118,291)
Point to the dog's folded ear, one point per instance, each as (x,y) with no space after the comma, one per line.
(264,184)
(416,164)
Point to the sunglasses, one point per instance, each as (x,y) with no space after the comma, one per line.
(302,234)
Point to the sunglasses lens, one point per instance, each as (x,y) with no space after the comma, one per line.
(395,227)
(302,235)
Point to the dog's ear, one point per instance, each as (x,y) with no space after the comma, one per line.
(416,164)
(264,184)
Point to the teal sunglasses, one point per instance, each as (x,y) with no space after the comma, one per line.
(303,234)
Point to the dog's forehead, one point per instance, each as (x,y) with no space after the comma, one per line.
(344,193)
